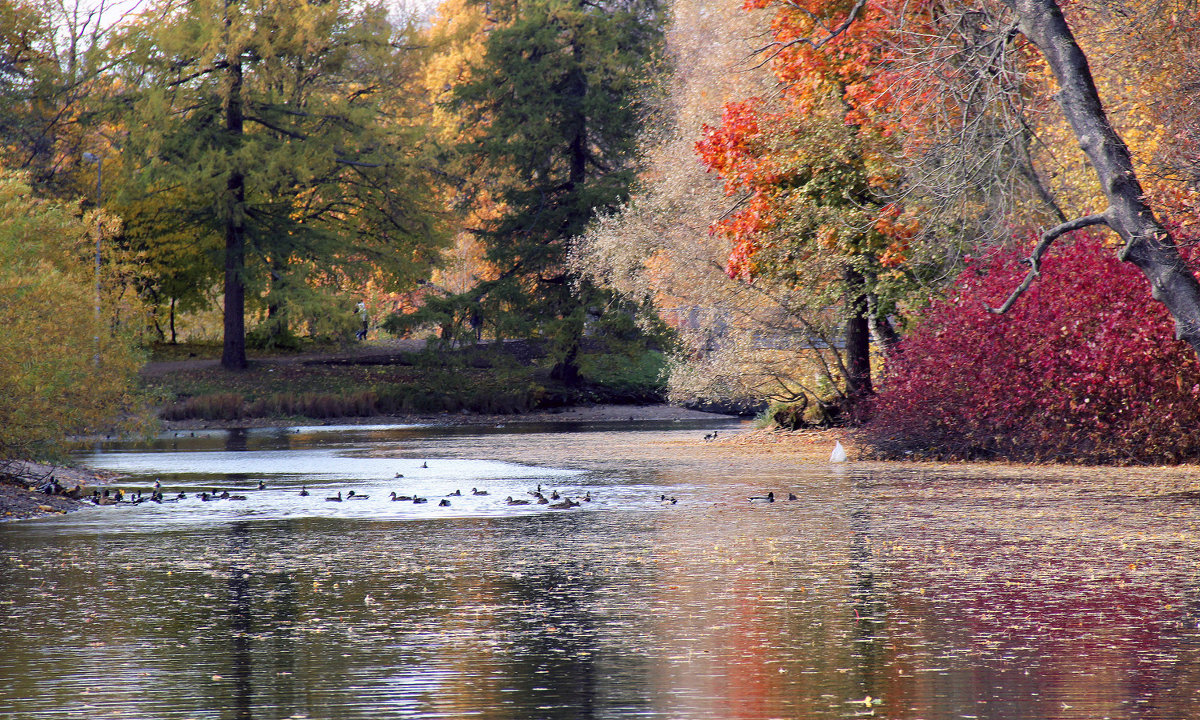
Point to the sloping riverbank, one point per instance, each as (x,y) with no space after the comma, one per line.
(21,498)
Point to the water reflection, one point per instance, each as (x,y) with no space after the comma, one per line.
(881,592)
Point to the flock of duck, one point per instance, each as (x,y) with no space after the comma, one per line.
(554,500)
(118,496)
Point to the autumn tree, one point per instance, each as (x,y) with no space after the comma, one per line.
(973,385)
(283,131)
(1148,244)
(814,188)
(64,369)
(993,51)
(550,118)
(658,249)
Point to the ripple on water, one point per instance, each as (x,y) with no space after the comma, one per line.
(910,594)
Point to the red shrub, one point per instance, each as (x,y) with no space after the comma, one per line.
(1085,368)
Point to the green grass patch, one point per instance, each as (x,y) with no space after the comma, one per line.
(506,380)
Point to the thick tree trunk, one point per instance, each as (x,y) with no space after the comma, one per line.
(233,355)
(566,370)
(857,337)
(1148,245)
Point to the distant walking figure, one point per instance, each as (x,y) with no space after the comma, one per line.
(361,309)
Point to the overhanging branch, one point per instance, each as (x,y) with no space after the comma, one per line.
(777,47)
(1035,259)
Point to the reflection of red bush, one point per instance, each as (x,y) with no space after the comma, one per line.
(1084,367)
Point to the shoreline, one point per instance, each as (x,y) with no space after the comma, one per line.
(801,447)
(20,500)
(576,413)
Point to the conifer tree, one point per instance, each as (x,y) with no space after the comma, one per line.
(550,122)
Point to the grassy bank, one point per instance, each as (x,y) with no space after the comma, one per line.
(366,381)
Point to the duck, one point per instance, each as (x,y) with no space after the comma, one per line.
(456,493)
(792,496)
(205,497)
(399,475)
(397,498)
(236,497)
(444,503)
(587,496)
(510,501)
(425,466)
(303,491)
(708,437)
(262,485)
(474,491)
(541,500)
(663,499)
(537,492)
(353,496)
(554,495)
(419,500)
(335,498)
(564,505)
(769,497)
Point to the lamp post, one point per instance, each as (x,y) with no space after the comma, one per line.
(92,157)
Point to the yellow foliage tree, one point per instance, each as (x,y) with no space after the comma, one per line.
(63,369)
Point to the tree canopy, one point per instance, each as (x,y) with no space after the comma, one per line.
(64,369)
(549,121)
(280,136)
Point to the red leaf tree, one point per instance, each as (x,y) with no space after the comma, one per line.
(815,177)
(1081,369)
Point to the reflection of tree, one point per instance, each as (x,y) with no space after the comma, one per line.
(240,615)
(235,440)
(555,646)
(868,605)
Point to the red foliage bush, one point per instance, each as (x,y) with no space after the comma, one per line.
(1084,368)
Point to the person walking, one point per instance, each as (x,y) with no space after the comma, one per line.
(361,309)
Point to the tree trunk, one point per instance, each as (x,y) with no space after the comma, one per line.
(233,356)
(857,337)
(1148,245)
(882,332)
(566,370)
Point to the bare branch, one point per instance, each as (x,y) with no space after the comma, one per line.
(777,47)
(1035,260)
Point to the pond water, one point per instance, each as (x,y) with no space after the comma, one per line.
(882,591)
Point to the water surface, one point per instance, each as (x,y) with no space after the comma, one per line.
(884,591)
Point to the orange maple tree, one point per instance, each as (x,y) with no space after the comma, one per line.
(813,172)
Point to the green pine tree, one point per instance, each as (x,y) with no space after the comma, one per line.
(551,119)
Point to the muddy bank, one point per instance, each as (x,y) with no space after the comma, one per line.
(21,498)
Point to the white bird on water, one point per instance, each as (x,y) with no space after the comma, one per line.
(839,453)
